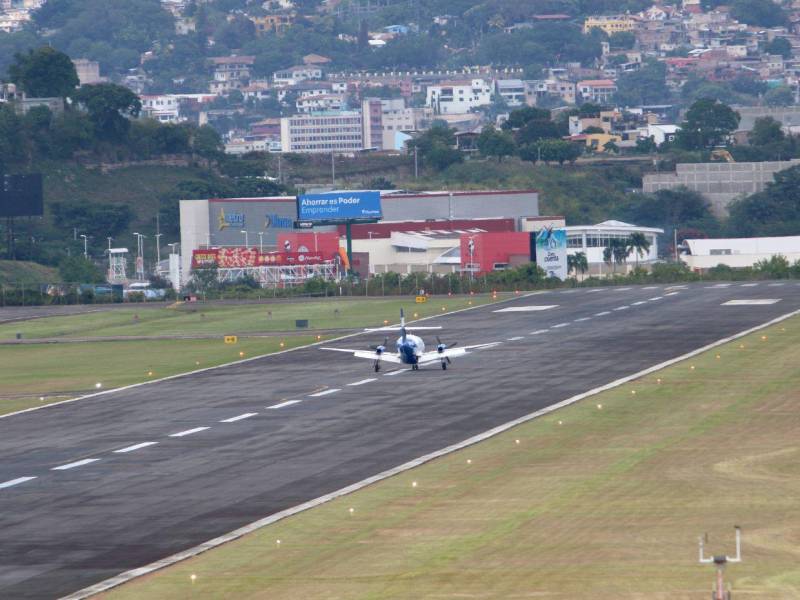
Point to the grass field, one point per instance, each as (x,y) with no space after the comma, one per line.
(23,272)
(229,319)
(58,371)
(603,500)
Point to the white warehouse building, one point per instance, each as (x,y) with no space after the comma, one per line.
(739,252)
(593,239)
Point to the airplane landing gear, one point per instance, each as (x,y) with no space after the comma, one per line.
(415,367)
(377,367)
(444,366)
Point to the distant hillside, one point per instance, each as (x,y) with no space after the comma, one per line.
(18,271)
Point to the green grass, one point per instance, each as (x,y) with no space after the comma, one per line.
(58,371)
(23,272)
(227,319)
(602,500)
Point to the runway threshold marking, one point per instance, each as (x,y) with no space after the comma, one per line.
(559,325)
(325,393)
(134,447)
(538,332)
(239,418)
(76,464)
(188,432)
(753,302)
(602,314)
(283,404)
(362,382)
(17,481)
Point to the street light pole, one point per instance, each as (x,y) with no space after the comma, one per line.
(245,238)
(85,246)
(720,561)
(261,242)
(109,242)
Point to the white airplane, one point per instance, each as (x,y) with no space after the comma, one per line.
(410,349)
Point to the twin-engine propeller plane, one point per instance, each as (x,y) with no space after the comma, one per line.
(410,349)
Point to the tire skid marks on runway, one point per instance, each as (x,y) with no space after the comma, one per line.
(76,464)
(188,432)
(17,481)
(134,447)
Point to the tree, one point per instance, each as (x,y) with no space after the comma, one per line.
(536,130)
(670,209)
(779,96)
(624,40)
(496,143)
(780,46)
(708,123)
(577,262)
(558,150)
(76,269)
(519,117)
(616,251)
(764,13)
(44,73)
(435,146)
(108,106)
(638,244)
(648,85)
(766,130)
(772,212)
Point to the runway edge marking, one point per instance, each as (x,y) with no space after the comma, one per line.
(127,576)
(251,359)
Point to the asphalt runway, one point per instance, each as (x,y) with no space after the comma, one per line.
(90,512)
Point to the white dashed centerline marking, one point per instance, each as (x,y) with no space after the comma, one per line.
(639,303)
(362,382)
(559,325)
(515,339)
(650,287)
(749,284)
(134,447)
(622,307)
(325,393)
(671,293)
(596,290)
(393,373)
(13,482)
(602,314)
(753,302)
(655,298)
(776,284)
(721,285)
(282,404)
(582,319)
(622,289)
(538,332)
(189,432)
(73,465)
(239,418)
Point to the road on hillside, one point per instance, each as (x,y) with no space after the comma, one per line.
(96,487)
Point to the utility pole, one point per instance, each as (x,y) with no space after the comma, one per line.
(261,242)
(675,242)
(139,255)
(416,163)
(109,238)
(158,248)
(471,247)
(280,174)
(333,169)
(246,244)
(720,561)
(85,246)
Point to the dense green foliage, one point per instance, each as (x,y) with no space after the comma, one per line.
(708,124)
(775,211)
(44,73)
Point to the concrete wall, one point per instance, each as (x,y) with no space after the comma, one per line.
(719,183)
(788,115)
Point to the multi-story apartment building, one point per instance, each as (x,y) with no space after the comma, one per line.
(609,24)
(231,73)
(599,91)
(384,119)
(272,23)
(294,75)
(165,108)
(458,97)
(324,132)
(320,102)
(512,91)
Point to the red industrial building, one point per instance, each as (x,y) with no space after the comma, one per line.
(492,251)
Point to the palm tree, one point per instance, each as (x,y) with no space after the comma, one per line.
(608,254)
(577,262)
(619,249)
(639,244)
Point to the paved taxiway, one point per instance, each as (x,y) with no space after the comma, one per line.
(102,485)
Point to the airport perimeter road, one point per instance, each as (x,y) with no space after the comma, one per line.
(106,484)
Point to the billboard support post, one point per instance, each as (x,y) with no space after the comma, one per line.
(349,235)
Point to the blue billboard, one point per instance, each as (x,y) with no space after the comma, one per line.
(339,207)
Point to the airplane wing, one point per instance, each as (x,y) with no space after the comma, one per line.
(389,357)
(398,328)
(435,355)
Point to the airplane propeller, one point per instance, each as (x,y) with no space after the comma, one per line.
(441,347)
(380,349)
